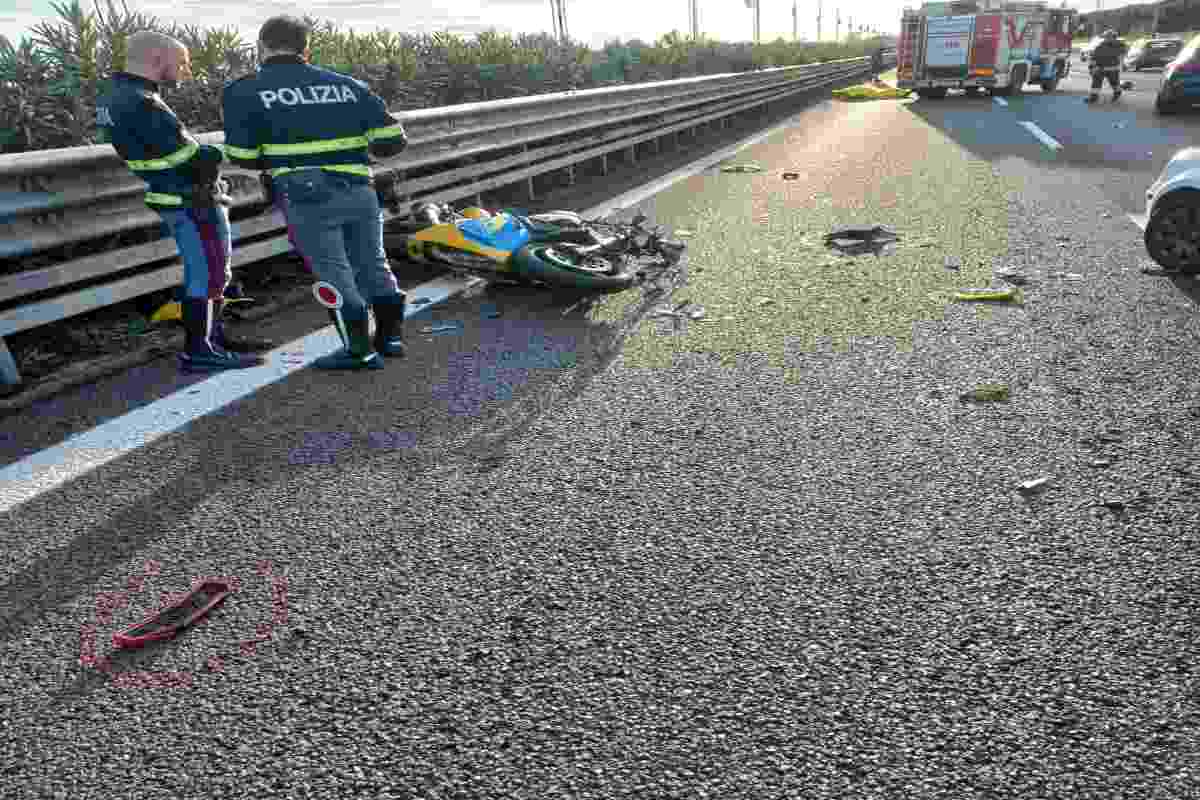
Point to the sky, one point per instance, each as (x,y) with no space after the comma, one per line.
(589,22)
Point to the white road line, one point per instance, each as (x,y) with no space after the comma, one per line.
(54,466)
(1041,135)
(1000,101)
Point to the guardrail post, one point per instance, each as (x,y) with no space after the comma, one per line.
(9,374)
(529,180)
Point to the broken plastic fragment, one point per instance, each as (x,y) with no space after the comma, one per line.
(862,233)
(762,302)
(697,312)
(1034,485)
(791,176)
(1015,278)
(742,168)
(446,327)
(988,295)
(986,393)
(953,262)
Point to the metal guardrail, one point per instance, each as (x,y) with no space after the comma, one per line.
(75,197)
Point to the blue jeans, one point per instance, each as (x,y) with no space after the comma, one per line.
(336,225)
(206,247)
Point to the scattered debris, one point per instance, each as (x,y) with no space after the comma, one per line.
(1013,277)
(1101,462)
(445,327)
(986,393)
(953,262)
(791,176)
(1034,485)
(741,168)
(862,239)
(1114,504)
(762,302)
(697,313)
(988,295)
(683,232)
(1066,276)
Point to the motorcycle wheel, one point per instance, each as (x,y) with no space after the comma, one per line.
(559,267)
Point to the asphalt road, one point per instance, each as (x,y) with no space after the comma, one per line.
(587,552)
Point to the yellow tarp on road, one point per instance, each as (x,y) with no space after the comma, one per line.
(871,91)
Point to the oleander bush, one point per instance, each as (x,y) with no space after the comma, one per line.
(49,81)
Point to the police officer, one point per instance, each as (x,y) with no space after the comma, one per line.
(184,187)
(1106,63)
(312,131)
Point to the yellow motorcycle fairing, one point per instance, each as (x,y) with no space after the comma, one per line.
(448,235)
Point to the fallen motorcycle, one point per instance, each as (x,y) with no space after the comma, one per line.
(555,248)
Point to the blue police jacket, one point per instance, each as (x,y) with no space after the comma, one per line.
(291,115)
(141,127)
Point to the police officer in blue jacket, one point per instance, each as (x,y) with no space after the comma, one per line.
(312,131)
(184,187)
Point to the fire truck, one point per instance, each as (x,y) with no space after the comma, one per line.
(997,45)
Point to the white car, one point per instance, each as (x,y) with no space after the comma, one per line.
(1172,222)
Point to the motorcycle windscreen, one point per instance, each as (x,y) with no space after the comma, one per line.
(501,232)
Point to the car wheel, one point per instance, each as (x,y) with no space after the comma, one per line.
(1172,233)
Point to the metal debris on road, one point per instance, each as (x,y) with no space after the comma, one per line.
(953,262)
(791,176)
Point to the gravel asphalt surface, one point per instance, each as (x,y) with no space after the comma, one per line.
(588,552)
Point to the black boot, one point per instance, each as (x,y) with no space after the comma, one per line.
(358,350)
(235,344)
(389,316)
(199,354)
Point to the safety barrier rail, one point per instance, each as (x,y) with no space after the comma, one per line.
(72,201)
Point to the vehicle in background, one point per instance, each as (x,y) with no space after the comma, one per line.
(1179,87)
(1172,232)
(998,45)
(1085,52)
(1154,53)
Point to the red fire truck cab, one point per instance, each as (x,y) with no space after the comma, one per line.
(996,45)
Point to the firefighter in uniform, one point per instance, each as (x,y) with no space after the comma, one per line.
(311,132)
(184,187)
(1106,63)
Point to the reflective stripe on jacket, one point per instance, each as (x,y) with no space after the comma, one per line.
(145,132)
